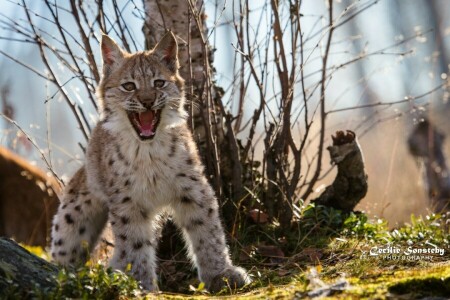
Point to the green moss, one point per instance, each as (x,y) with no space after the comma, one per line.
(8,270)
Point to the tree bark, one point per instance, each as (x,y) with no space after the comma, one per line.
(175,15)
(22,272)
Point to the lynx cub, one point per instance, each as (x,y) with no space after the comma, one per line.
(141,161)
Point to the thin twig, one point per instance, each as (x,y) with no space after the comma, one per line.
(323,114)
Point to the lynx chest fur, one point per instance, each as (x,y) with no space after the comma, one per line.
(141,161)
(153,175)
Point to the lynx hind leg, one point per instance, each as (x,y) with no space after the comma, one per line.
(78,222)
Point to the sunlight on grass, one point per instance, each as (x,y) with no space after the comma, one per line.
(339,253)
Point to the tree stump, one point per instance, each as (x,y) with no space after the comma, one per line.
(350,184)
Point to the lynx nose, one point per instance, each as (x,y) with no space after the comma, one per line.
(148,103)
(147,98)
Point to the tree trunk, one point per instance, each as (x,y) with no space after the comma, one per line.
(176,15)
(425,145)
(210,123)
(22,272)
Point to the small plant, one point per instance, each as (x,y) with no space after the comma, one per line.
(93,282)
(360,226)
(200,289)
(433,228)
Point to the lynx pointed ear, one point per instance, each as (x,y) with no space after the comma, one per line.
(167,49)
(111,53)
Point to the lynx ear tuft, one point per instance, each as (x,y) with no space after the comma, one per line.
(167,49)
(111,53)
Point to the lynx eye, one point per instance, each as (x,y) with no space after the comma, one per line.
(159,83)
(129,86)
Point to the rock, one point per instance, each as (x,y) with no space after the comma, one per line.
(22,273)
(28,200)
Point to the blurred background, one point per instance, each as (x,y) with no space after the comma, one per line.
(388,67)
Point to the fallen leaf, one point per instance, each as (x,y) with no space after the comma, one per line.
(246,253)
(258,216)
(314,254)
(283,272)
(270,251)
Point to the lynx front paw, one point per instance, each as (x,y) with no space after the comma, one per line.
(232,277)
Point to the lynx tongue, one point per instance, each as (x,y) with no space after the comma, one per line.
(147,121)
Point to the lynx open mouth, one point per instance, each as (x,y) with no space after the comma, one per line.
(145,123)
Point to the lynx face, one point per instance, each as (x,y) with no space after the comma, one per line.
(144,88)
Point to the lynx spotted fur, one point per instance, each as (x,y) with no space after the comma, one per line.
(141,161)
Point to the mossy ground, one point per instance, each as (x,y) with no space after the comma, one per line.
(323,248)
